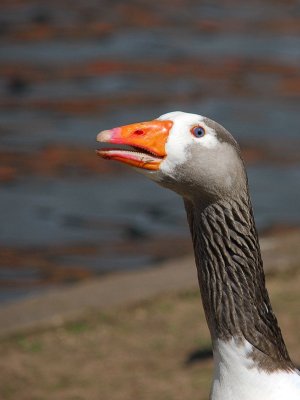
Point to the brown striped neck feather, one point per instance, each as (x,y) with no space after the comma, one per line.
(232,282)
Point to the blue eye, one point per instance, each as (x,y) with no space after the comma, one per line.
(198,131)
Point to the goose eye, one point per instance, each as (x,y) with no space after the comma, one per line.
(198,131)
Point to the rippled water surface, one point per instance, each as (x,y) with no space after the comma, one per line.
(69,70)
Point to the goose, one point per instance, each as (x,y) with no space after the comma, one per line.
(201,161)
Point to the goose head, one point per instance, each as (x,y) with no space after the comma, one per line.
(187,153)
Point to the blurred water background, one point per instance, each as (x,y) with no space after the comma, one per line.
(71,68)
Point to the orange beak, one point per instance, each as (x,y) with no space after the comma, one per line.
(147,142)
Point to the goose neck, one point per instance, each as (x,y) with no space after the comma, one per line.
(232,281)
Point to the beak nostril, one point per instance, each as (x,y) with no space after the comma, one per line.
(138,132)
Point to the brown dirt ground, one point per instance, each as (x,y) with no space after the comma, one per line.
(138,352)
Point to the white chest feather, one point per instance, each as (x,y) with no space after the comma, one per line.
(237,378)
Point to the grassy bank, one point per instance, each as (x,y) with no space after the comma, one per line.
(159,349)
